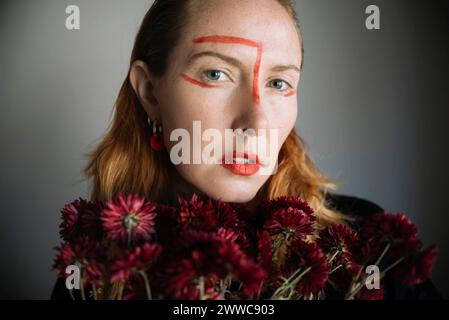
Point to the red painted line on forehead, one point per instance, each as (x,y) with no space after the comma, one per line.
(228,39)
(198,83)
(242,41)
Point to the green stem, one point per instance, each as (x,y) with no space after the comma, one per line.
(382,255)
(83,294)
(201,285)
(147,284)
(290,284)
(356,288)
(387,247)
(359,286)
(333,256)
(295,281)
(129,235)
(335,269)
(382,274)
(94,289)
(120,293)
(260,290)
(286,281)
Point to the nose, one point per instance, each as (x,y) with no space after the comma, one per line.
(251,114)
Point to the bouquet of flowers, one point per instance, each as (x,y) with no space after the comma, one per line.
(130,248)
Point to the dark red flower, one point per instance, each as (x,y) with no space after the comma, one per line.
(265,251)
(128,218)
(339,242)
(218,250)
(210,257)
(228,220)
(185,279)
(210,215)
(243,268)
(291,222)
(246,216)
(395,230)
(236,235)
(71,215)
(307,256)
(227,234)
(417,268)
(285,202)
(85,253)
(337,237)
(226,214)
(91,220)
(134,288)
(197,213)
(138,260)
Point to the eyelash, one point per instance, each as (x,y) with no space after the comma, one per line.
(205,74)
(289,86)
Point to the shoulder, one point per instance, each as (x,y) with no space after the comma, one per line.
(354,206)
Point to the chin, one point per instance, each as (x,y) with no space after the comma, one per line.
(233,192)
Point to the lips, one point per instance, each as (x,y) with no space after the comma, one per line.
(243,164)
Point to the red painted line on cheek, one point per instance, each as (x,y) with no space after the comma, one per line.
(198,83)
(242,41)
(291,93)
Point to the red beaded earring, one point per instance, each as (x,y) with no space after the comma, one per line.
(156,139)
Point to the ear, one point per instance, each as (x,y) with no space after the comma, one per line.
(143,84)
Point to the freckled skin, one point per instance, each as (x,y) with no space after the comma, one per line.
(260,35)
(245,42)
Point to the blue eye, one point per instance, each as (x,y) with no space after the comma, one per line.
(214,75)
(280,85)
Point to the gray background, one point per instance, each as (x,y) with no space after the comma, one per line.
(373,109)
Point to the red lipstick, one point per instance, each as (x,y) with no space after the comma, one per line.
(243,164)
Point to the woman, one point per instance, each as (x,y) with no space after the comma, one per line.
(167,87)
(229,65)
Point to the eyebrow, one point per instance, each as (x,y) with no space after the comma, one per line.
(220,56)
(286,67)
(237,63)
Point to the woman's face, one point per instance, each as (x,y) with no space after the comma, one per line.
(235,67)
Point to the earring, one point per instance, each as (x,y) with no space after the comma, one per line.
(156,139)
